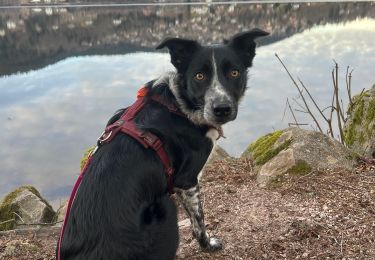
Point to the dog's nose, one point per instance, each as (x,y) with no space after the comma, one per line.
(222,109)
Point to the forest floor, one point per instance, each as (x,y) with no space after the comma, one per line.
(329,214)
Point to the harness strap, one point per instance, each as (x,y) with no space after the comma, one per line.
(70,202)
(147,139)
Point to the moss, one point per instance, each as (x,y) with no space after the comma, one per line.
(350,135)
(7,207)
(86,156)
(370,117)
(353,156)
(361,116)
(300,168)
(262,151)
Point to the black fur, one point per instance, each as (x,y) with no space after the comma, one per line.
(122,209)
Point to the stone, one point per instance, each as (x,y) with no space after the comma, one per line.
(184,223)
(359,129)
(60,213)
(218,154)
(24,205)
(295,152)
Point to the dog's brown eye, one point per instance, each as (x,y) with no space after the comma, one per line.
(199,76)
(234,73)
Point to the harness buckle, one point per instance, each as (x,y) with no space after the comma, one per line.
(152,140)
(104,136)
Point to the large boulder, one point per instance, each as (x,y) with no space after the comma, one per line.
(24,205)
(359,129)
(296,151)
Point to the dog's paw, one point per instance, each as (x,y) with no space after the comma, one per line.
(214,244)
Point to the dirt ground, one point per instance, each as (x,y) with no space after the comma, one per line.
(322,215)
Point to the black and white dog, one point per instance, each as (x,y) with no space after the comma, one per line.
(122,209)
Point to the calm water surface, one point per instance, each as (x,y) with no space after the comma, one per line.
(64,71)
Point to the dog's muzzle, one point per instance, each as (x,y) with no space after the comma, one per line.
(221,112)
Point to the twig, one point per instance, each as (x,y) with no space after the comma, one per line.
(341,113)
(324,109)
(297,124)
(291,111)
(286,105)
(40,224)
(298,103)
(7,221)
(15,213)
(300,92)
(332,108)
(301,111)
(335,78)
(329,122)
(348,79)
(30,224)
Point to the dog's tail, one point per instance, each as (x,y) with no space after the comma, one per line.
(158,221)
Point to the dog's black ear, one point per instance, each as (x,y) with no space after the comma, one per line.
(181,51)
(244,44)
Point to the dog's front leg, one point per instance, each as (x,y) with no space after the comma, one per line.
(190,199)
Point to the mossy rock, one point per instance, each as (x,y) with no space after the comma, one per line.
(292,152)
(359,129)
(9,207)
(299,169)
(263,149)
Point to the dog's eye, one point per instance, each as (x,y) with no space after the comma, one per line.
(199,76)
(234,74)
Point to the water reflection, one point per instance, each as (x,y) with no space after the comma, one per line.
(35,37)
(51,115)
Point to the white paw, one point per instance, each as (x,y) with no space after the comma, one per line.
(215,244)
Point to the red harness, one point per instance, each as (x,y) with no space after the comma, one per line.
(147,139)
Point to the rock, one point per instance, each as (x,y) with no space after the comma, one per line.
(359,129)
(184,223)
(28,204)
(295,151)
(60,213)
(218,154)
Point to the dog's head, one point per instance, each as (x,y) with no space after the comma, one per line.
(212,79)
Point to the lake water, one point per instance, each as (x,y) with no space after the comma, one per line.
(64,71)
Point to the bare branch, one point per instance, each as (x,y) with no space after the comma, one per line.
(341,113)
(15,213)
(295,101)
(324,109)
(336,89)
(297,124)
(291,111)
(302,111)
(300,92)
(7,221)
(285,107)
(40,224)
(313,100)
(348,79)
